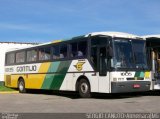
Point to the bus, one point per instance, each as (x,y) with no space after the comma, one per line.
(100,62)
(153,54)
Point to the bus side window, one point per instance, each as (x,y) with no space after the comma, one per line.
(82,49)
(31,55)
(10,58)
(63,51)
(20,57)
(78,49)
(44,53)
(56,54)
(73,50)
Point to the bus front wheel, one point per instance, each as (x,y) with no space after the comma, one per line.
(21,86)
(84,89)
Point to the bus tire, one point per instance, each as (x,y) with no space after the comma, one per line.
(21,86)
(84,88)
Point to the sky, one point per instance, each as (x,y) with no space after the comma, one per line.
(41,21)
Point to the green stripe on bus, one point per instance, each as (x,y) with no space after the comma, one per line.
(54,67)
(58,78)
(54,81)
(49,77)
(139,74)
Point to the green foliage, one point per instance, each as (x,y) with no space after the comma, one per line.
(3,88)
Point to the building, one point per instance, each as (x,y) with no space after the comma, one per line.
(4,46)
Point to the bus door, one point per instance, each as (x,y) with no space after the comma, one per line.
(156,62)
(103,67)
(153,52)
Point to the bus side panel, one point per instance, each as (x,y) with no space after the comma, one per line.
(35,81)
(12,80)
(70,81)
(80,68)
(7,79)
(94,81)
(56,75)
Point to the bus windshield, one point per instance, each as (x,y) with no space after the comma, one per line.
(140,54)
(123,54)
(129,54)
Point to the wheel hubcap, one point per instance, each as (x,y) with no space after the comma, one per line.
(21,86)
(84,88)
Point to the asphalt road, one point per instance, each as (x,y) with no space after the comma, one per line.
(70,102)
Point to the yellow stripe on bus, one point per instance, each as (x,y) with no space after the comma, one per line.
(36,80)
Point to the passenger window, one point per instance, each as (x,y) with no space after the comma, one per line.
(78,49)
(63,51)
(73,50)
(82,49)
(44,53)
(31,55)
(20,57)
(56,52)
(10,58)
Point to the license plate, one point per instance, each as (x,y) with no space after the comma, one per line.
(136,86)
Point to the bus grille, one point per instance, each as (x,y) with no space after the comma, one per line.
(135,78)
(8,80)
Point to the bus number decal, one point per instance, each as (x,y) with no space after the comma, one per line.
(126,74)
(11,69)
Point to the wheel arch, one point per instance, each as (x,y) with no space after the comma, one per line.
(20,78)
(78,80)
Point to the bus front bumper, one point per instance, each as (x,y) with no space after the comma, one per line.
(130,86)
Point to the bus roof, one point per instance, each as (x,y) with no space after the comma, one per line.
(152,36)
(14,49)
(114,34)
(28,43)
(111,34)
(36,45)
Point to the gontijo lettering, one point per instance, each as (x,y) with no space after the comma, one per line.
(26,68)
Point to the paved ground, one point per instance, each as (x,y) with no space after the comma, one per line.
(70,102)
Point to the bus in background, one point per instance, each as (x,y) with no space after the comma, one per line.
(153,54)
(101,62)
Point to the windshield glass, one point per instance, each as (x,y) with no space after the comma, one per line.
(139,53)
(123,54)
(129,54)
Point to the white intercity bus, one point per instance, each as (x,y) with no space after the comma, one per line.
(101,62)
(153,54)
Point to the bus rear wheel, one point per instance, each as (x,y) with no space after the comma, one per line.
(84,89)
(21,86)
